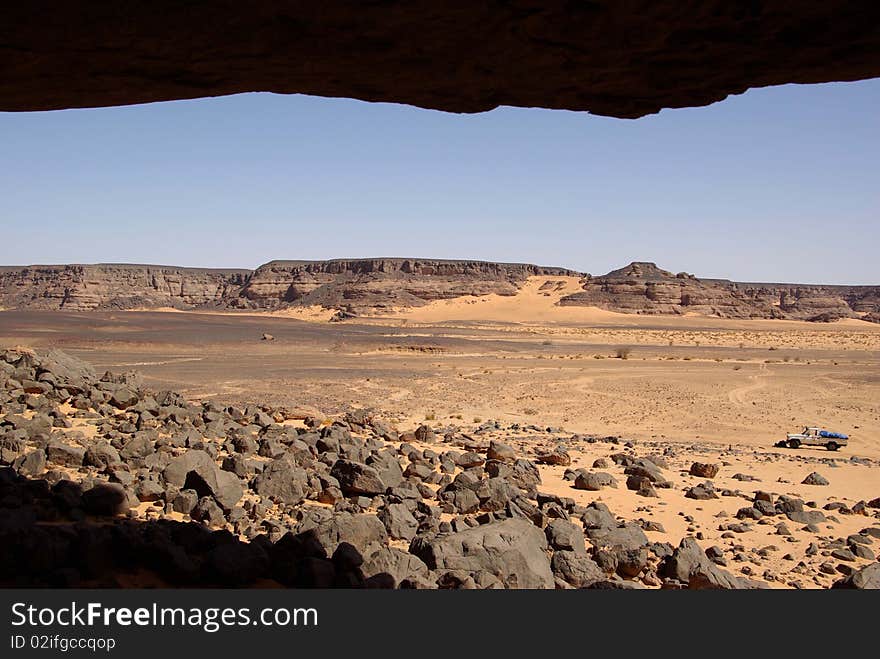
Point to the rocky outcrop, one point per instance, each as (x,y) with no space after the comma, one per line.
(380,283)
(364,286)
(644,288)
(622,59)
(111,286)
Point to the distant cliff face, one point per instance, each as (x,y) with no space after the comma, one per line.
(370,285)
(110,286)
(644,288)
(384,283)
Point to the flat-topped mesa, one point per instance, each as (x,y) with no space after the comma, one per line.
(642,287)
(374,285)
(117,286)
(381,283)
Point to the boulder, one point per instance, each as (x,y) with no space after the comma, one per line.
(578,570)
(689,564)
(101,455)
(123,398)
(32,463)
(357,479)
(500,452)
(558,457)
(364,532)
(701,492)
(867,578)
(64,454)
(704,470)
(388,567)
(399,521)
(815,479)
(513,550)
(282,480)
(594,480)
(195,470)
(106,499)
(562,535)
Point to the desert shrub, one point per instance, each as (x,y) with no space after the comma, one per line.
(623,353)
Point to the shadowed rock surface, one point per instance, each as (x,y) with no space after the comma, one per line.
(622,59)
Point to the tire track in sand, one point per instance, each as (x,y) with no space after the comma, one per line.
(758,381)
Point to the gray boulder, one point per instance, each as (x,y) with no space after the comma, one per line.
(513,550)
(389,566)
(689,564)
(357,479)
(815,479)
(578,570)
(594,480)
(399,521)
(282,480)
(868,578)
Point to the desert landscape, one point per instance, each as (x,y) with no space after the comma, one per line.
(419,423)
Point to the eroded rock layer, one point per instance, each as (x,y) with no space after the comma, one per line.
(112,286)
(644,288)
(382,283)
(367,286)
(622,59)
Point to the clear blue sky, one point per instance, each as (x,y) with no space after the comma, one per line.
(779,184)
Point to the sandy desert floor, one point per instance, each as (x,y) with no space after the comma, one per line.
(584,370)
(692,388)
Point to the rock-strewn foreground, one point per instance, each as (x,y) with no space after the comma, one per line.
(370,286)
(107,483)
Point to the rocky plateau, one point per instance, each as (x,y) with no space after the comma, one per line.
(370,286)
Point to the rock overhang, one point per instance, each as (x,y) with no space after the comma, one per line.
(620,59)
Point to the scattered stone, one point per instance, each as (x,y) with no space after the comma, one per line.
(704,470)
(815,479)
(594,480)
(701,492)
